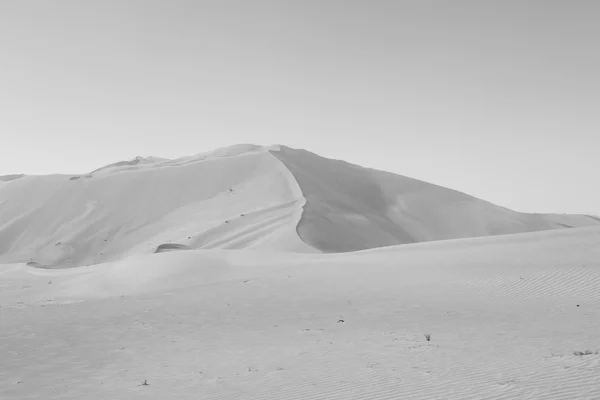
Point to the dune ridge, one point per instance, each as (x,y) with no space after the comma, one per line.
(242,196)
(242,199)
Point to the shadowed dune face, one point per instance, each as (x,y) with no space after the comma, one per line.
(34,264)
(171,246)
(345,209)
(353,208)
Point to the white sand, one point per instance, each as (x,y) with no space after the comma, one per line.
(242,196)
(245,309)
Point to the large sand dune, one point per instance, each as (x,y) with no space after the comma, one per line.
(255,273)
(239,199)
(242,196)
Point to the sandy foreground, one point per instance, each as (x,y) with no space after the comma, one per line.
(509,317)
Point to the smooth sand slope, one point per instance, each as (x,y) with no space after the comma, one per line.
(239,197)
(510,317)
(353,208)
(243,196)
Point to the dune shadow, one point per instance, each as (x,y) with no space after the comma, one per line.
(171,247)
(34,264)
(8,178)
(593,217)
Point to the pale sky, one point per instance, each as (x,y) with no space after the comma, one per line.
(499,99)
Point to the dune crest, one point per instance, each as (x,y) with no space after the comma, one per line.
(237,197)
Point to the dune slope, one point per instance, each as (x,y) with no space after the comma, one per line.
(240,199)
(243,196)
(354,208)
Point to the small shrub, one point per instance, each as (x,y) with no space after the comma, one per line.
(584,353)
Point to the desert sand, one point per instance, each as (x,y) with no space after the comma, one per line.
(257,272)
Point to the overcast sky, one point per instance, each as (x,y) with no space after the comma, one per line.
(499,99)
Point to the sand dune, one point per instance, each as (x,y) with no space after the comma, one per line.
(243,196)
(228,201)
(353,208)
(262,273)
(509,317)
